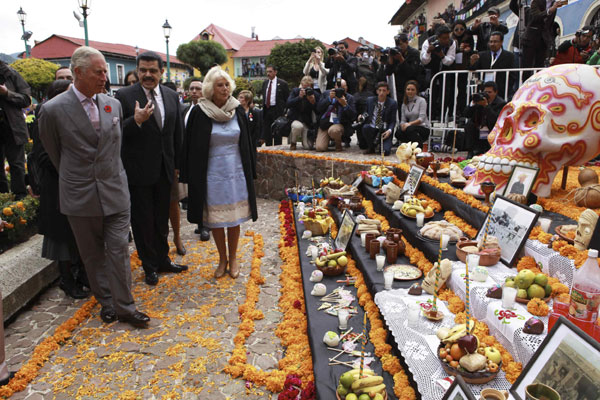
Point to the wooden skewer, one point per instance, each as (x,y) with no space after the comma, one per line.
(346,334)
(343,351)
(337,362)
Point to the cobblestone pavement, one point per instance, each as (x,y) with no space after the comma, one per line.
(187,345)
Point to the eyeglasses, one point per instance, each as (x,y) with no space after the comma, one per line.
(459,29)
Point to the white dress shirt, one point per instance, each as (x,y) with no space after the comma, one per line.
(159,101)
(448,58)
(187,114)
(272,100)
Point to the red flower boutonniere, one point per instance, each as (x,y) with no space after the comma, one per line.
(107,109)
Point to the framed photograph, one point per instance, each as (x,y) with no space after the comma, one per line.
(345,231)
(459,390)
(510,223)
(413,179)
(568,361)
(357,181)
(521,180)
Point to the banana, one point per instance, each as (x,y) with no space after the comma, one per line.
(335,255)
(365,371)
(372,389)
(366,382)
(457,332)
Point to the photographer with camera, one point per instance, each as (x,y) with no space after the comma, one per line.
(302,106)
(483,28)
(337,112)
(367,68)
(482,115)
(577,50)
(15,95)
(341,65)
(315,68)
(403,61)
(539,37)
(438,54)
(380,120)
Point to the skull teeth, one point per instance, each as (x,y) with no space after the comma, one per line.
(505,165)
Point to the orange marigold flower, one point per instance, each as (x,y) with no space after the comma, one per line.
(558,288)
(537,307)
(7,211)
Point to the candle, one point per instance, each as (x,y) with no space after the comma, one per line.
(509,294)
(445,239)
(364,341)
(407,197)
(437,274)
(388,279)
(420,219)
(468,295)
(545,224)
(380,258)
(473,260)
(363,236)
(343,316)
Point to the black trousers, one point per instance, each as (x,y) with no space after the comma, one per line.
(15,155)
(150,222)
(473,144)
(534,56)
(370,134)
(269,116)
(414,133)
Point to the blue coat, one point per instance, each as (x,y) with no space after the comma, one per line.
(390,111)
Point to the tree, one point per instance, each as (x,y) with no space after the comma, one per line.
(290,58)
(39,74)
(202,54)
(241,84)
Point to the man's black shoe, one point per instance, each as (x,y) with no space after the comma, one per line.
(137,319)
(108,315)
(205,234)
(151,278)
(72,289)
(172,267)
(197,230)
(4,382)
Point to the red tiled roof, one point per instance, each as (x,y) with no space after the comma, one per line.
(229,40)
(354,44)
(59,46)
(260,48)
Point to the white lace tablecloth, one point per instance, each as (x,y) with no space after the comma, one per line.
(553,264)
(505,325)
(418,344)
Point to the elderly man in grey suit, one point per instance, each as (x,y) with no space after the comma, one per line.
(81,131)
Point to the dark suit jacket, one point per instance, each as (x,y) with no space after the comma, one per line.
(539,25)
(300,108)
(505,60)
(390,109)
(281,95)
(347,114)
(13,103)
(255,124)
(194,165)
(146,149)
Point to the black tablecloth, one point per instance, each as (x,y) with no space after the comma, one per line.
(327,377)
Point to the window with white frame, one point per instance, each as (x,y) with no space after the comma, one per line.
(120,74)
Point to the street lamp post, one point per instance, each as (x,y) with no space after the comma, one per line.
(23,17)
(85,6)
(167,31)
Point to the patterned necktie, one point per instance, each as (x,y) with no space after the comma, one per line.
(379,116)
(92,111)
(268,99)
(157,114)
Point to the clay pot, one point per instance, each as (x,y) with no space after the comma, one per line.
(538,391)
(374,247)
(424,157)
(392,253)
(368,238)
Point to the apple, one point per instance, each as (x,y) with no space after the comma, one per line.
(332,263)
(468,343)
(342,261)
(493,355)
(311,214)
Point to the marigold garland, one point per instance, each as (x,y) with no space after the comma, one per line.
(466,228)
(292,330)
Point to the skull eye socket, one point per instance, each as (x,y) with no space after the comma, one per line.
(530,119)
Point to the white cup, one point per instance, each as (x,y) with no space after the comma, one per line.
(380,259)
(445,240)
(545,224)
(363,236)
(343,316)
(407,197)
(509,294)
(414,310)
(473,261)
(420,219)
(388,279)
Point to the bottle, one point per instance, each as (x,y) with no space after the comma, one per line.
(585,294)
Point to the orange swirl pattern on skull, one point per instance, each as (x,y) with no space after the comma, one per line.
(552,121)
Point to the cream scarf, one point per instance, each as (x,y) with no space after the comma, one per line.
(223,114)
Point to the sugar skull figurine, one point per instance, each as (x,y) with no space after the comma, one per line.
(552,121)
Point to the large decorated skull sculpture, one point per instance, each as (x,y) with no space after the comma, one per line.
(552,121)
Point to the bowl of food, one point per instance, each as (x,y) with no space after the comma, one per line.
(488,256)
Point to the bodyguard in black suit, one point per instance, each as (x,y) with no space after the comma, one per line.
(496,58)
(538,37)
(275,92)
(382,111)
(152,136)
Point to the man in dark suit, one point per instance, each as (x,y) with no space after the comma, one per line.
(496,58)
(275,92)
(406,65)
(81,132)
(538,38)
(152,136)
(380,121)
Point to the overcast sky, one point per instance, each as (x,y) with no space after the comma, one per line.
(139,22)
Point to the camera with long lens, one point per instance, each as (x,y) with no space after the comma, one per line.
(309,92)
(332,51)
(340,92)
(477,97)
